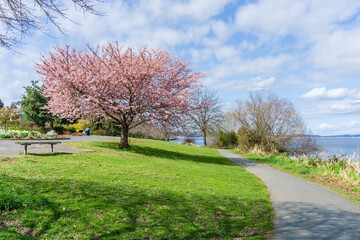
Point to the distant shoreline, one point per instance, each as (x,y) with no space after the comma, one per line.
(339,136)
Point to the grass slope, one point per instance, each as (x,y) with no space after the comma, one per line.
(155,190)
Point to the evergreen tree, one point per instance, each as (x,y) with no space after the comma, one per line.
(32,104)
(13,105)
(1,104)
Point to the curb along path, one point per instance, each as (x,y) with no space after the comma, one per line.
(304,210)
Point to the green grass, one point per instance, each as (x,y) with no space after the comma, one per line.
(336,175)
(155,190)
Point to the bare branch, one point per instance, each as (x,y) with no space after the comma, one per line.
(19,18)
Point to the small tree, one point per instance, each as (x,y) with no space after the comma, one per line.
(1,104)
(13,105)
(272,125)
(206,114)
(127,85)
(7,117)
(32,105)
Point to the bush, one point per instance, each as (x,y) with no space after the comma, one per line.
(148,132)
(59,129)
(228,140)
(99,132)
(215,144)
(188,140)
(79,126)
(71,129)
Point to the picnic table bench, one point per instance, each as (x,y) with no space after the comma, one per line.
(26,144)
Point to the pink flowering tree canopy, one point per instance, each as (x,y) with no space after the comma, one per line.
(131,86)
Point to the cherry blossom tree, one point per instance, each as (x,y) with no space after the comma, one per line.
(113,82)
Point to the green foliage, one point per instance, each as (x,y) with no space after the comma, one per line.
(13,105)
(154,190)
(112,127)
(71,129)
(59,129)
(1,104)
(106,127)
(32,104)
(79,126)
(228,139)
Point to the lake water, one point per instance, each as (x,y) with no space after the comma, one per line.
(329,145)
(340,145)
(197,140)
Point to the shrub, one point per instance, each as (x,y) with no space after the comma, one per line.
(71,129)
(148,132)
(99,132)
(228,140)
(188,140)
(79,126)
(59,129)
(215,144)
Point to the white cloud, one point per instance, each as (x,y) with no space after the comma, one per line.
(334,128)
(338,50)
(158,23)
(262,65)
(13,81)
(305,19)
(199,55)
(336,93)
(334,102)
(29,55)
(251,84)
(199,10)
(226,53)
(326,126)
(259,84)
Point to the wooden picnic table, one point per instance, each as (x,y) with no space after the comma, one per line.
(26,144)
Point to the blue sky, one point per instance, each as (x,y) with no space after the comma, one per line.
(304,50)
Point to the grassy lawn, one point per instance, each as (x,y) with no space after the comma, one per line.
(336,176)
(155,190)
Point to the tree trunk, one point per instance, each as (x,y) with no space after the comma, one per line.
(52,124)
(124,143)
(204,138)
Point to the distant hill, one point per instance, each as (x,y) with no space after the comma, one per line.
(345,135)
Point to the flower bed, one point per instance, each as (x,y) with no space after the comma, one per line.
(17,134)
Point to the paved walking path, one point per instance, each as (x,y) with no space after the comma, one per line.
(304,210)
(8,148)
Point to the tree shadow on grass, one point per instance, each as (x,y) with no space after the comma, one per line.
(297,220)
(167,154)
(125,212)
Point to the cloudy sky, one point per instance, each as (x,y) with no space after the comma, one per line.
(304,50)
